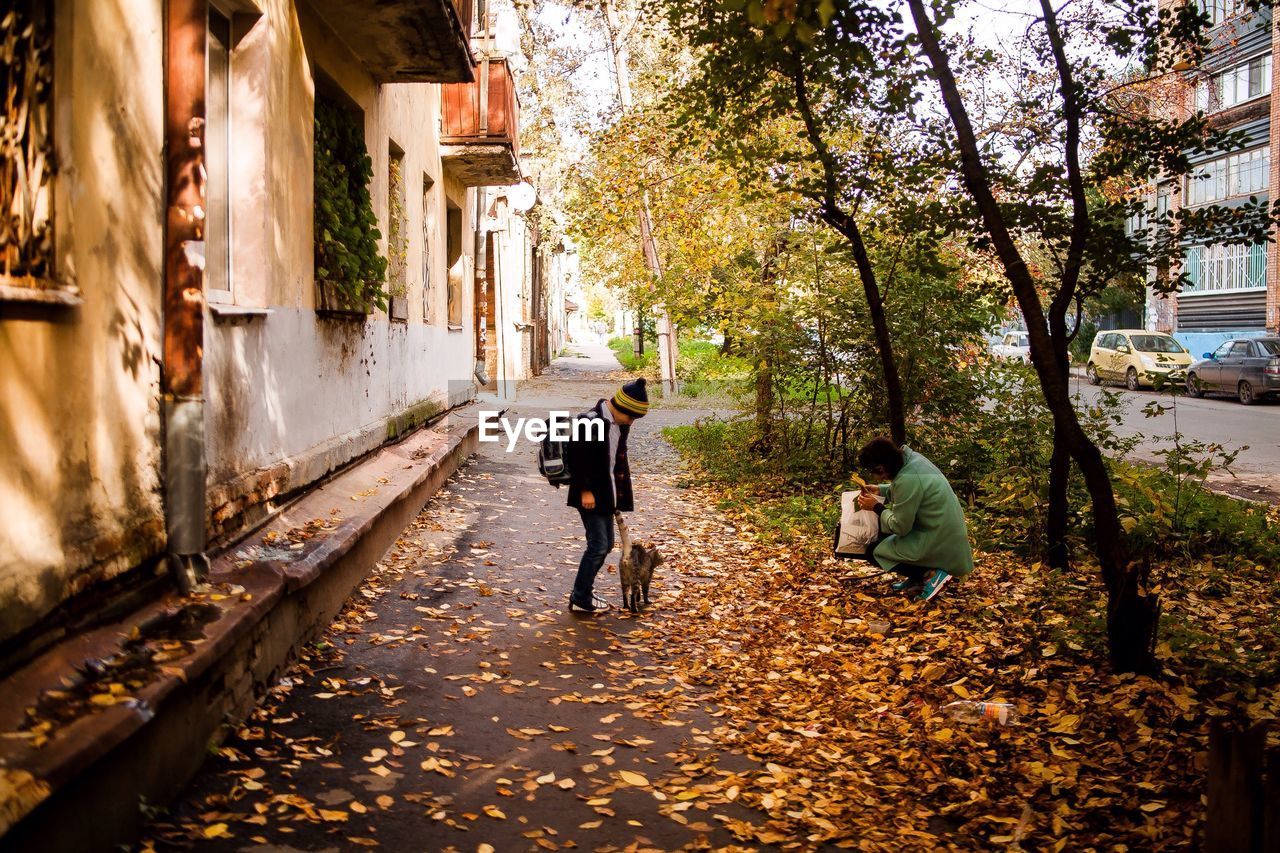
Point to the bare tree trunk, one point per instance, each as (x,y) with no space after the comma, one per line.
(766,345)
(1131,615)
(648,243)
(1057,554)
(764,402)
(845,224)
(895,403)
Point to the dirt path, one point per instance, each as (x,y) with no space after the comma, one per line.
(457,704)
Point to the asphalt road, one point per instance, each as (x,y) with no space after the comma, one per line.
(1211,419)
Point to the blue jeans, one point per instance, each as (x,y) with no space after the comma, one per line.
(599,527)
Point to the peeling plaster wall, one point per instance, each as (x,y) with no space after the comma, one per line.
(79,411)
(292,395)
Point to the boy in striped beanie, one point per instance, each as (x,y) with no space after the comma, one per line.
(600,484)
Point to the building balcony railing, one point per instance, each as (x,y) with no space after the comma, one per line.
(480,127)
(405,41)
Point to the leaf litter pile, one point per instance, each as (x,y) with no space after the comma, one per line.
(805,712)
(857,750)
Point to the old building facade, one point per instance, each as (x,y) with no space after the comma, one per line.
(177,364)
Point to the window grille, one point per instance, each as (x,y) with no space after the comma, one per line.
(1226,266)
(27,160)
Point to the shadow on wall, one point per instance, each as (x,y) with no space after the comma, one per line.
(267,381)
(79,410)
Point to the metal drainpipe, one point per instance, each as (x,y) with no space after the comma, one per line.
(499,310)
(481,292)
(481,253)
(183,381)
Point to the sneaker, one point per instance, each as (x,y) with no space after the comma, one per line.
(933,585)
(900,585)
(597,605)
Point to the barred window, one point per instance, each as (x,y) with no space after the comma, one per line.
(1226,266)
(27,162)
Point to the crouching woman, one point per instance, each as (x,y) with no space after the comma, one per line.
(925,538)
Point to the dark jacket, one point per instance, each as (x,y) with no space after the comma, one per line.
(589,467)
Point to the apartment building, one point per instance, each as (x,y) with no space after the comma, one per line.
(1234,288)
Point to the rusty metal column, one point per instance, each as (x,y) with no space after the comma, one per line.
(482,260)
(186,45)
(480,298)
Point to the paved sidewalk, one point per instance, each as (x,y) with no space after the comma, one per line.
(120,714)
(461,707)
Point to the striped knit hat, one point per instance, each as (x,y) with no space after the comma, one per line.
(632,399)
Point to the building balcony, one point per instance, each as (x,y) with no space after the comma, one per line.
(480,127)
(405,41)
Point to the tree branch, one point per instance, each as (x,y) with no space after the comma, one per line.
(1080,224)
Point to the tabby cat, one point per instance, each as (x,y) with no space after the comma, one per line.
(635,567)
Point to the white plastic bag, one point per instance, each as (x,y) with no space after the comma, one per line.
(859,528)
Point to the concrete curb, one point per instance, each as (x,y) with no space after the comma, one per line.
(82,789)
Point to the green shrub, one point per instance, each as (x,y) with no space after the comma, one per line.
(721,450)
(996,457)
(701,367)
(781,494)
(346,229)
(646,365)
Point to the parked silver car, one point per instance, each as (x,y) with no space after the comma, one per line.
(1013,346)
(1246,367)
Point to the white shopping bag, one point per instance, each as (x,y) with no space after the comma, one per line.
(859,528)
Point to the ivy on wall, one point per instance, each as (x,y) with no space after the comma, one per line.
(346,229)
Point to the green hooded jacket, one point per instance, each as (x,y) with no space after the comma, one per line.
(924,520)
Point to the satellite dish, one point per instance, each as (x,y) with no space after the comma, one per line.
(522,196)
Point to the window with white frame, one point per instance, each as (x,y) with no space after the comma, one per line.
(1223,10)
(1226,266)
(1241,174)
(1152,212)
(217,160)
(1239,83)
(1136,222)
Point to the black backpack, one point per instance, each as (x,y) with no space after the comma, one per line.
(553,461)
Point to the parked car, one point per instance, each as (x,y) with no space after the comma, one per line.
(1137,358)
(1246,367)
(1013,346)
